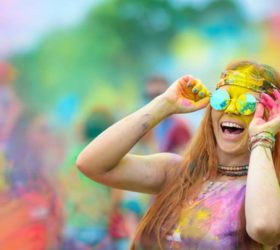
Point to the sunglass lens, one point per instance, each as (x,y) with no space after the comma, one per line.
(219,99)
(246,104)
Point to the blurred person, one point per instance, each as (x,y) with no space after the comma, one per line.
(122,220)
(10,105)
(10,110)
(7,73)
(31,212)
(223,191)
(88,205)
(173,133)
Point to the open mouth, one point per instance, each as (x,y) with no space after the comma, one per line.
(231,128)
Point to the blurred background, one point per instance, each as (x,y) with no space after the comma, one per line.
(69,69)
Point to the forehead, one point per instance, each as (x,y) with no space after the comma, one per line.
(235,91)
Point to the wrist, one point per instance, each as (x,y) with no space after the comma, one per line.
(261,146)
(165,106)
(263,139)
(155,111)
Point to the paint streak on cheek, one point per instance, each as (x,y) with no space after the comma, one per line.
(247,120)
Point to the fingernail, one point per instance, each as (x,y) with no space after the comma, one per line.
(189,84)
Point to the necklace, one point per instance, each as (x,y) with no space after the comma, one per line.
(233,170)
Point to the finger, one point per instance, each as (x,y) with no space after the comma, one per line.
(269,102)
(184,80)
(276,94)
(197,87)
(202,103)
(203,92)
(263,102)
(207,92)
(259,111)
(273,125)
(271,106)
(187,78)
(190,81)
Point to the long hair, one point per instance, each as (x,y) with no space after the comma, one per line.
(199,164)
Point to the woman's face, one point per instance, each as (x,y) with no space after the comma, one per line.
(230,127)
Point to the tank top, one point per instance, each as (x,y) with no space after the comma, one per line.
(211,220)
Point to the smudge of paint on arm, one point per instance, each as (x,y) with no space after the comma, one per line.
(187,103)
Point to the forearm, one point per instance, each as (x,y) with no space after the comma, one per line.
(262,202)
(104,152)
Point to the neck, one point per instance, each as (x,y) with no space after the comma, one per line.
(227,159)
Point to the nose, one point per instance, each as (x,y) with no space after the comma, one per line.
(231,108)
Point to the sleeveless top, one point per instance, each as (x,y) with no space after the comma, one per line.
(211,220)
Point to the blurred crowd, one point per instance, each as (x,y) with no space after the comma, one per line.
(46,203)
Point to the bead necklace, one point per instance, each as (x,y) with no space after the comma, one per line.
(233,170)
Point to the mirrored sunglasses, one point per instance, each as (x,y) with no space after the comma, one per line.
(245,104)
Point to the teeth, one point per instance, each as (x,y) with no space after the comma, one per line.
(231,124)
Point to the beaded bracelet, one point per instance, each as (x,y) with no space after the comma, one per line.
(265,139)
(262,135)
(262,140)
(262,144)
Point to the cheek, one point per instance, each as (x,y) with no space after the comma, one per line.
(247,119)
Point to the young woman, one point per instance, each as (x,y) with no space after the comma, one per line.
(223,192)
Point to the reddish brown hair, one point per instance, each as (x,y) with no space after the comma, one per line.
(200,164)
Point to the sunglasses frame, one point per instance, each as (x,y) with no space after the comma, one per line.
(230,99)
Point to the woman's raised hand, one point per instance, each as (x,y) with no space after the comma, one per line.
(272,122)
(187,94)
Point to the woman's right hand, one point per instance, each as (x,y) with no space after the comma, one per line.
(186,95)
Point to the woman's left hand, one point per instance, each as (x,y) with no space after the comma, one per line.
(272,123)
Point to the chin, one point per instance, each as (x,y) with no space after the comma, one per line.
(232,148)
